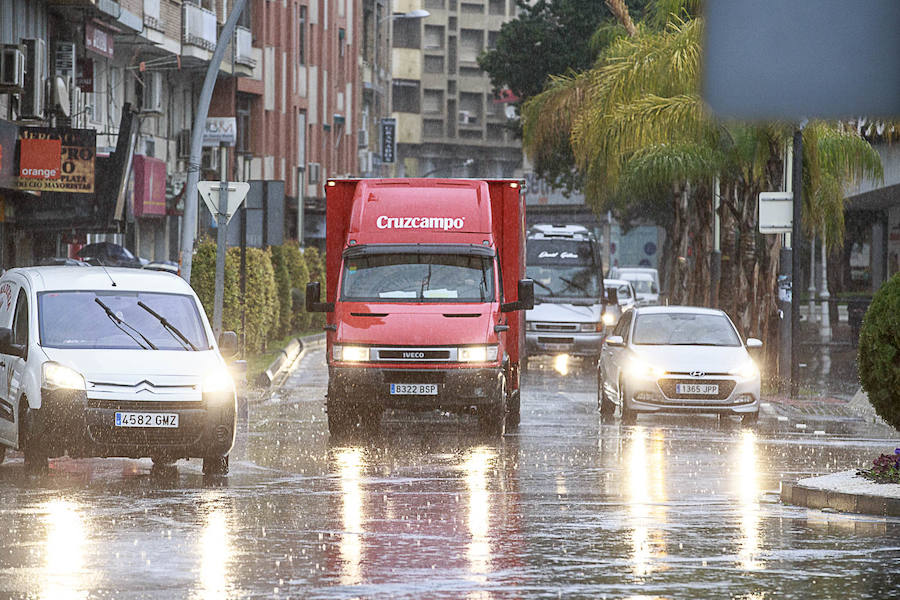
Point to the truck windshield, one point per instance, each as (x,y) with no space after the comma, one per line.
(418,278)
(92,328)
(563,269)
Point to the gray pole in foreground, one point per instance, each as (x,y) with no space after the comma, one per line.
(189,224)
(797,188)
(221,249)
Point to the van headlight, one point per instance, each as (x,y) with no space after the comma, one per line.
(55,376)
(609,319)
(350,353)
(217,382)
(748,370)
(477,353)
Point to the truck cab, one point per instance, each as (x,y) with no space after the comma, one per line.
(423,299)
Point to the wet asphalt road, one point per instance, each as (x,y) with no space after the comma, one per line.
(564,507)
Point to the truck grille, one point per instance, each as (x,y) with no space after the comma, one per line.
(413,354)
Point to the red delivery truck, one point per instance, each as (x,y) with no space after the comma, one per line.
(425,290)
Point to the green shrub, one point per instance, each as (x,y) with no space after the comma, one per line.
(315,263)
(283,287)
(299,274)
(203,280)
(879,352)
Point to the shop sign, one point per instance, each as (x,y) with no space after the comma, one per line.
(220,131)
(97,40)
(85,78)
(57,160)
(149,187)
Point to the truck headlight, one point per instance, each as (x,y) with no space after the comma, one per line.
(477,353)
(748,370)
(55,376)
(350,353)
(218,381)
(609,319)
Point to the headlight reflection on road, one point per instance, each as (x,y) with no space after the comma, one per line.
(561,364)
(216,551)
(476,466)
(63,576)
(646,499)
(350,464)
(747,482)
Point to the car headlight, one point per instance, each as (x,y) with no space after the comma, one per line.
(218,381)
(638,367)
(350,353)
(748,370)
(55,376)
(477,353)
(609,319)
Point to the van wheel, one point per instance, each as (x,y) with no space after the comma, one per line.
(29,440)
(215,465)
(492,418)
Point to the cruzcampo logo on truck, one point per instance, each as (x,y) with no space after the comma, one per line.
(445,223)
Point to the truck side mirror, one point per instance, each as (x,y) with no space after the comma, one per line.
(313,293)
(525,300)
(228,344)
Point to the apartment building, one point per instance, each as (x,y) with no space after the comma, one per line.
(117,83)
(448,122)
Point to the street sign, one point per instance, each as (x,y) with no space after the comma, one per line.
(220,131)
(776,212)
(237,191)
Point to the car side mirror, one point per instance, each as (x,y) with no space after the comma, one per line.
(616,341)
(6,343)
(754,343)
(313,294)
(525,299)
(228,344)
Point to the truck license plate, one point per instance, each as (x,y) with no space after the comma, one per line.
(704,389)
(414,389)
(145,419)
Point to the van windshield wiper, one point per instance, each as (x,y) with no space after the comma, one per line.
(574,285)
(546,287)
(121,324)
(168,326)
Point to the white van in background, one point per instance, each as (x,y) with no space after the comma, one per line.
(645,281)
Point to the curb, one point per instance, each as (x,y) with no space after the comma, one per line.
(800,494)
(287,357)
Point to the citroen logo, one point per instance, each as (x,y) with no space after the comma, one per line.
(697,373)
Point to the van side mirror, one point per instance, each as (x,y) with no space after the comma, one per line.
(6,343)
(228,344)
(525,299)
(313,294)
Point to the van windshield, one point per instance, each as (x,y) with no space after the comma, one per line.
(418,278)
(74,319)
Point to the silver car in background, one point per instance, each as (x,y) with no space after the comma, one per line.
(674,359)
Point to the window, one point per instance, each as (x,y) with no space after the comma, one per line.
(406,96)
(434,37)
(407,33)
(432,128)
(471,43)
(242,110)
(301,37)
(433,101)
(496,7)
(20,320)
(439,4)
(246,18)
(434,64)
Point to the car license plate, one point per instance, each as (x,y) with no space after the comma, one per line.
(146,419)
(704,389)
(414,389)
(558,346)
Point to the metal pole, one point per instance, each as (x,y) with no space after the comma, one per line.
(825,319)
(797,188)
(188,232)
(221,247)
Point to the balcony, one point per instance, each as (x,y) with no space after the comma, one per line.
(243,48)
(151,15)
(199,27)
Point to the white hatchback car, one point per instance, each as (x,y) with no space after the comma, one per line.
(677,359)
(111,362)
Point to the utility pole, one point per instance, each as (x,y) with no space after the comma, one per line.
(797,188)
(189,221)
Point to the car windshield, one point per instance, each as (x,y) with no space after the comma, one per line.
(95,329)
(418,278)
(643,286)
(684,329)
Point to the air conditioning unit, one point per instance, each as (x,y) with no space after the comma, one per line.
(313,173)
(183,143)
(466,118)
(32,105)
(152,96)
(363,136)
(12,69)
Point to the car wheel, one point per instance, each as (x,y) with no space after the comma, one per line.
(30,440)
(215,465)
(492,417)
(629,415)
(750,419)
(606,406)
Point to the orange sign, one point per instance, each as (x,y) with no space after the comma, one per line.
(40,159)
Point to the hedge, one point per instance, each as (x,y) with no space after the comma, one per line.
(879,352)
(203,280)
(315,263)
(283,287)
(299,276)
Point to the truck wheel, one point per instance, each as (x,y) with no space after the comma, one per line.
(340,418)
(514,417)
(215,465)
(492,418)
(29,440)
(370,418)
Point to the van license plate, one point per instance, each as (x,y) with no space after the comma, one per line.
(414,389)
(142,419)
(705,389)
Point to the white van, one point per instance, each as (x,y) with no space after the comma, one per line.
(111,362)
